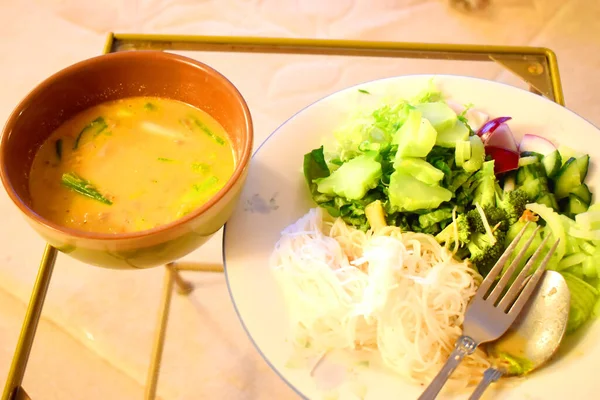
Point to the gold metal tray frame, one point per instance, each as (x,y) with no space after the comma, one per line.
(536,66)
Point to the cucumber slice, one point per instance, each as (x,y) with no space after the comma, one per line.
(552,163)
(534,188)
(583,192)
(531,171)
(567,179)
(548,199)
(583,163)
(574,206)
(531,154)
(523,161)
(567,152)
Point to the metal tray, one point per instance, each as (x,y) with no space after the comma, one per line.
(536,67)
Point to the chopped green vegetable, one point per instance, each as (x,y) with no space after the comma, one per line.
(511,234)
(428,95)
(420,169)
(416,137)
(514,365)
(163,159)
(150,106)
(589,220)
(583,299)
(494,217)
(207,130)
(406,193)
(485,193)
(197,194)
(364,91)
(315,167)
(58,147)
(513,204)
(352,212)
(567,152)
(200,167)
(434,217)
(439,114)
(460,226)
(78,184)
(354,178)
(462,152)
(485,251)
(205,185)
(567,178)
(555,224)
(98,125)
(477,155)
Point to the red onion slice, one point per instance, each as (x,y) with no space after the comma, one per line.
(536,144)
(504,160)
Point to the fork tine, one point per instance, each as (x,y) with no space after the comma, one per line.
(517,285)
(511,269)
(532,284)
(494,272)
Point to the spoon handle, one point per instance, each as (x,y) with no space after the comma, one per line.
(464,346)
(489,376)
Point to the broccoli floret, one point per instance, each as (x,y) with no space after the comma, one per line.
(495,217)
(485,251)
(464,232)
(485,193)
(513,203)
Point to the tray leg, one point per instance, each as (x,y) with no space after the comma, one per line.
(13,389)
(172,278)
(159,338)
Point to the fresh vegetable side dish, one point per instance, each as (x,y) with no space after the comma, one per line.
(451,186)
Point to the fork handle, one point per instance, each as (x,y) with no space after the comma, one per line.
(490,376)
(464,346)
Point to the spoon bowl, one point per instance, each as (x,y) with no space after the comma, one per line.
(535,335)
(538,330)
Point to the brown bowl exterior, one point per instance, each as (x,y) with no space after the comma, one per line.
(110,77)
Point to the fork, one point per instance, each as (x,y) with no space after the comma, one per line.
(489,317)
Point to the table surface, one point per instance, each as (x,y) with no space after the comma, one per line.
(95,336)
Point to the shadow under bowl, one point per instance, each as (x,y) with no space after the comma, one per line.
(111,77)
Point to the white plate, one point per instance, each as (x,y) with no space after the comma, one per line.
(276,195)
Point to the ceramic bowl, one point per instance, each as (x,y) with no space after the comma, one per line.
(110,77)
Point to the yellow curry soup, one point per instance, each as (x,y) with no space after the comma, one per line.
(130,165)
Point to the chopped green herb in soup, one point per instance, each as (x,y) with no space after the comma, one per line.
(130,165)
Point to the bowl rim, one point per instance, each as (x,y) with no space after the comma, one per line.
(239,170)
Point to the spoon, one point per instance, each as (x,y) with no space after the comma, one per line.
(534,336)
